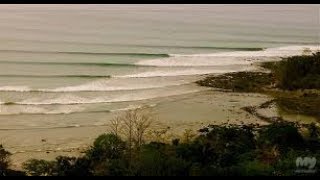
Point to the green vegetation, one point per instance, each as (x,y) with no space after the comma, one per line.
(240,81)
(294,83)
(293,73)
(216,150)
(4,161)
(299,103)
(298,72)
(301,76)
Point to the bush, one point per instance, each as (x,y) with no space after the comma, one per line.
(255,168)
(281,134)
(159,159)
(35,167)
(219,150)
(4,161)
(298,72)
(62,166)
(107,146)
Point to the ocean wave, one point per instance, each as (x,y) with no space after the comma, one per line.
(121,85)
(62,110)
(55,76)
(133,107)
(71,63)
(86,53)
(158,46)
(68,99)
(194,61)
(54,127)
(16,88)
(102,86)
(268,52)
(226,58)
(15,109)
(185,72)
(44,112)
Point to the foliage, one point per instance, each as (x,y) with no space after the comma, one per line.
(217,150)
(239,81)
(297,72)
(284,135)
(4,161)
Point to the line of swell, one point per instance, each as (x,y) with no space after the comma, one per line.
(61,127)
(85,53)
(56,76)
(69,63)
(173,46)
(61,113)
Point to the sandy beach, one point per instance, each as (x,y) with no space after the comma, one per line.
(66,71)
(192,111)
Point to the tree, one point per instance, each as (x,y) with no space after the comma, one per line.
(135,124)
(62,166)
(116,126)
(107,146)
(36,167)
(314,131)
(4,161)
(284,135)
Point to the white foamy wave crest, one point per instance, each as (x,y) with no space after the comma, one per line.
(20,109)
(117,85)
(15,88)
(194,60)
(64,99)
(185,72)
(227,58)
(65,110)
(130,107)
(269,52)
(9,110)
(137,96)
(103,85)
(133,107)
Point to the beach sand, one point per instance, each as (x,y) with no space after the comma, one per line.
(190,111)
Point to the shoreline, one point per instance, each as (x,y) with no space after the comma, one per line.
(215,106)
(208,111)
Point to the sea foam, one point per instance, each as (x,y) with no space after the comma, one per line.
(104,85)
(68,99)
(184,72)
(226,58)
(15,88)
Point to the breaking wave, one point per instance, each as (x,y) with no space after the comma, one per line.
(185,72)
(102,85)
(68,99)
(227,58)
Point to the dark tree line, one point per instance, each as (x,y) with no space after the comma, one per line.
(217,150)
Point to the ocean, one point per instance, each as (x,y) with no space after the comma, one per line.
(74,65)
